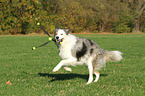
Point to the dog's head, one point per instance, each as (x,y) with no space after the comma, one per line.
(60,34)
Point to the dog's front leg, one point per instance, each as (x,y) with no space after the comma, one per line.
(64,62)
(57,67)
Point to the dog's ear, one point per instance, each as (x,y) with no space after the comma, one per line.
(67,31)
(58,28)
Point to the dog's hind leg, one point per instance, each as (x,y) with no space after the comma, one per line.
(98,63)
(97,75)
(90,67)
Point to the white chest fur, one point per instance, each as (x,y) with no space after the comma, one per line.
(66,46)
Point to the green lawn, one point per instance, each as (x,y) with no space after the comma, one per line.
(30,72)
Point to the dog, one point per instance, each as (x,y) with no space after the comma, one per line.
(77,51)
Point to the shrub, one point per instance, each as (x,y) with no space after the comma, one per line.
(121,28)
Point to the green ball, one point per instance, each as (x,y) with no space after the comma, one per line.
(33,48)
(38,23)
(50,39)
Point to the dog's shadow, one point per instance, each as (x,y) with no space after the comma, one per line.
(61,77)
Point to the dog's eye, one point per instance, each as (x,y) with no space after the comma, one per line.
(61,34)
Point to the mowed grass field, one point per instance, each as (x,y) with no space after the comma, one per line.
(24,72)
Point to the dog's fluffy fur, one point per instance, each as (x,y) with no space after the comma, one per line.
(75,50)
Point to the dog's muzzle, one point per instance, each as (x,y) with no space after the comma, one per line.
(58,40)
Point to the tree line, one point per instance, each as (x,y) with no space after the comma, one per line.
(117,16)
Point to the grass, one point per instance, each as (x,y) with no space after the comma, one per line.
(30,72)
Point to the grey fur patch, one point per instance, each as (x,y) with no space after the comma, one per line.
(91,42)
(67,31)
(81,52)
(91,51)
(85,47)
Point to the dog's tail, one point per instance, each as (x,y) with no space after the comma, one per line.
(113,56)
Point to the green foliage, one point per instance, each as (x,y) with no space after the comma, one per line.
(30,72)
(21,16)
(122,28)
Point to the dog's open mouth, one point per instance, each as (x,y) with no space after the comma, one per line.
(59,40)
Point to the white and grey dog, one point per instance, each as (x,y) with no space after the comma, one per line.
(76,51)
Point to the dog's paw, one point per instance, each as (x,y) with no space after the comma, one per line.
(55,70)
(96,80)
(90,80)
(67,69)
(88,83)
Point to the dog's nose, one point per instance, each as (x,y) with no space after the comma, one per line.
(57,37)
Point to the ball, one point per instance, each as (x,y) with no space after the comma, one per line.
(33,48)
(50,39)
(38,23)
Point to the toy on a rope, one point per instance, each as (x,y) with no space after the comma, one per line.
(49,38)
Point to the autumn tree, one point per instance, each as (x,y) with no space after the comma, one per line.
(118,16)
(137,10)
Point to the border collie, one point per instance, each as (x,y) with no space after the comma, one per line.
(77,51)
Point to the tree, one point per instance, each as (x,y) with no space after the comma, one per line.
(21,16)
(139,11)
(137,7)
